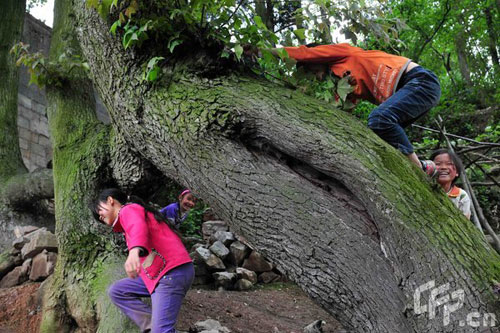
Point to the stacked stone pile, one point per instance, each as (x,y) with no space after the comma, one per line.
(32,257)
(228,261)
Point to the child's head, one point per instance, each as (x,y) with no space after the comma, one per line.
(319,70)
(186,200)
(449,167)
(107,205)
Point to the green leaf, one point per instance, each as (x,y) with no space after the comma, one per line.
(238,51)
(289,63)
(153,61)
(93,3)
(300,33)
(172,44)
(104,8)
(282,53)
(344,88)
(126,39)
(114,4)
(153,74)
(115,26)
(259,23)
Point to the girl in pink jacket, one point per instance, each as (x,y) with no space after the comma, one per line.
(158,265)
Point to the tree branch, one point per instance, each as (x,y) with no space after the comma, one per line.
(458,136)
(441,23)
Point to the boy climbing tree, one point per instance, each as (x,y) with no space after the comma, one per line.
(403,90)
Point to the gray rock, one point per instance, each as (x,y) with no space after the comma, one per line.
(210,325)
(14,252)
(18,259)
(200,255)
(243,284)
(268,277)
(224,279)
(25,267)
(200,269)
(43,265)
(215,263)
(219,250)
(7,264)
(201,280)
(206,256)
(190,241)
(19,242)
(255,262)
(225,237)
(239,252)
(314,327)
(197,245)
(210,227)
(246,274)
(42,240)
(14,278)
(22,231)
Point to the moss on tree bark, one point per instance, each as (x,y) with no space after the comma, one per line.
(12,18)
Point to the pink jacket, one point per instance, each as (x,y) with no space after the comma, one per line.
(164,248)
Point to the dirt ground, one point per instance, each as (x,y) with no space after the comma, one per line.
(276,308)
(19,311)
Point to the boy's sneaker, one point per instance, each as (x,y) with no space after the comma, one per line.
(429,168)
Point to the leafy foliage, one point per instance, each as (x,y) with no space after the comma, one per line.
(43,72)
(30,4)
(232,24)
(191,226)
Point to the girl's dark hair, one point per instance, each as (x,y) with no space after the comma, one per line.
(454,158)
(122,198)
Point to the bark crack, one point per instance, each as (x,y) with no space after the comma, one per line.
(262,147)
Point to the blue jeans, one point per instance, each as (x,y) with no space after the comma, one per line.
(166,299)
(418,91)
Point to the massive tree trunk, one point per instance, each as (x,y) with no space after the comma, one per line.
(80,151)
(87,156)
(336,209)
(12,18)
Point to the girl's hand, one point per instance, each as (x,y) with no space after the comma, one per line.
(133,264)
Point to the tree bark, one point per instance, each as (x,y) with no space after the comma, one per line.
(265,9)
(12,18)
(461,47)
(492,36)
(336,209)
(88,258)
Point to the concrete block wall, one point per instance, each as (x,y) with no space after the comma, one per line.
(34,138)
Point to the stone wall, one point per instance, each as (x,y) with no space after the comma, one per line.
(34,138)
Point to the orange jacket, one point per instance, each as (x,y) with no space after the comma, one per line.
(376,73)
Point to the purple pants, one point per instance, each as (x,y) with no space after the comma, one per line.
(166,299)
